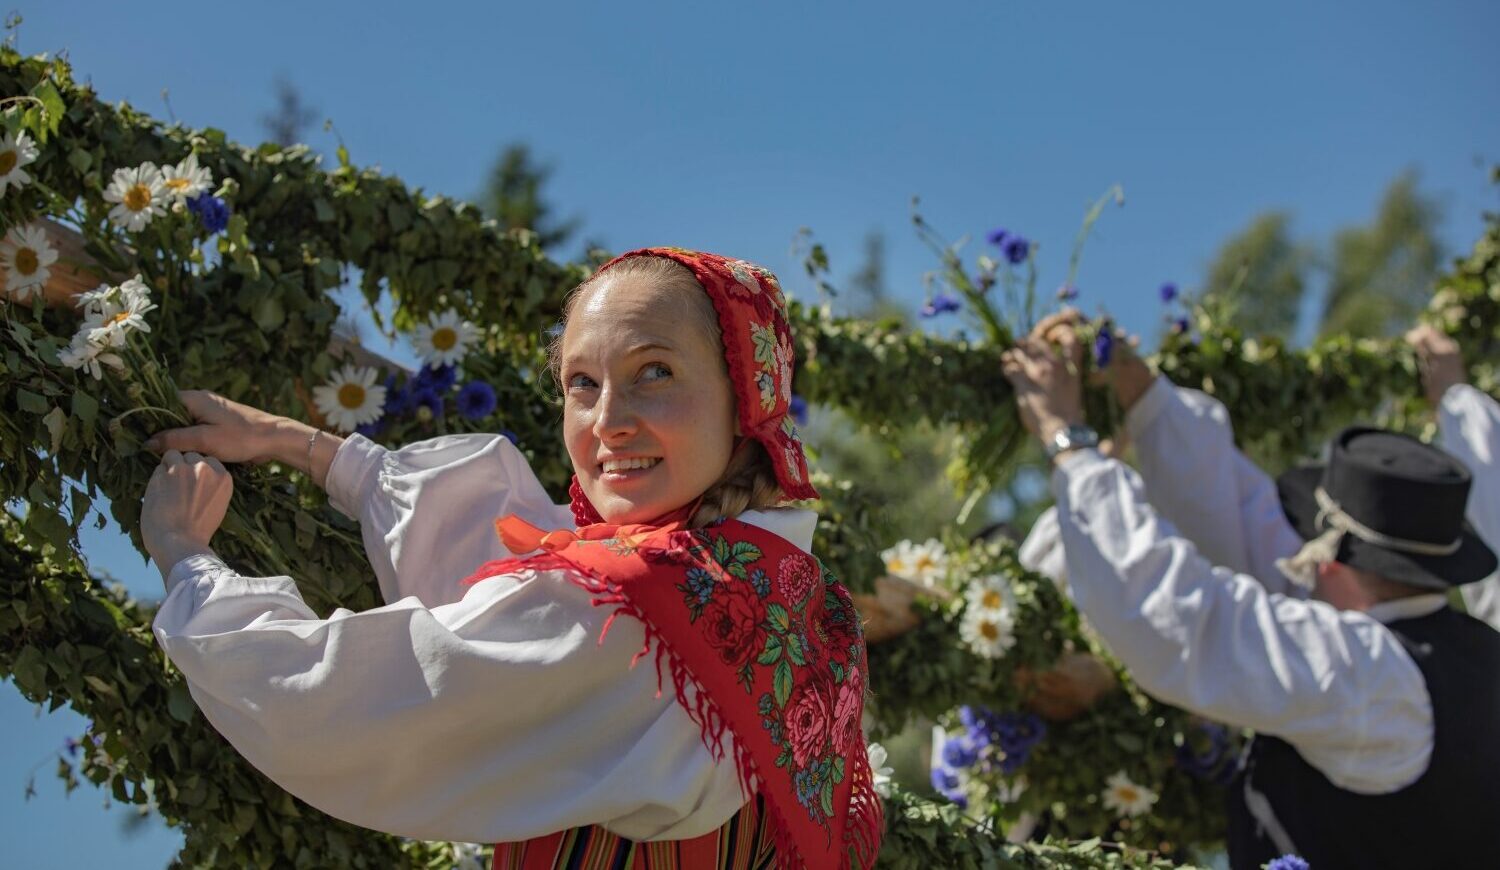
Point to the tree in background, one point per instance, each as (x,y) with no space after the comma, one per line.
(513,196)
(1379,274)
(287,124)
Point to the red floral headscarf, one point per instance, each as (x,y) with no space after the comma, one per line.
(758,350)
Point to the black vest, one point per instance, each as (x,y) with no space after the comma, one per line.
(1445,819)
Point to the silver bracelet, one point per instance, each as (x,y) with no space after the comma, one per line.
(310,442)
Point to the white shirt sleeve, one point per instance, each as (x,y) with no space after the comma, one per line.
(1042,551)
(494,718)
(1199,481)
(1336,685)
(426,510)
(1469,426)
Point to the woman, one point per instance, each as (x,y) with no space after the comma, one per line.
(508,709)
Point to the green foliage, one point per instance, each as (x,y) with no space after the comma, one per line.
(1382,273)
(1258,277)
(249,315)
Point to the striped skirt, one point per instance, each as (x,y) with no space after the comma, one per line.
(742,843)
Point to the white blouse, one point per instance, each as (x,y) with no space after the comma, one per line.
(491,716)
(1469,426)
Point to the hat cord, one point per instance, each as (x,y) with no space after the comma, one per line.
(1302,568)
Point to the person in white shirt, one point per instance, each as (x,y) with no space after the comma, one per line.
(508,713)
(1469,428)
(1370,697)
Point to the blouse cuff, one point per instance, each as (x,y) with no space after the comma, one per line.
(1460,400)
(352,474)
(203,564)
(1147,408)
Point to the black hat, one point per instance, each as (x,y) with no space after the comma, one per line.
(1400,505)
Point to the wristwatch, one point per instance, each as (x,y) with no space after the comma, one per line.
(1074,437)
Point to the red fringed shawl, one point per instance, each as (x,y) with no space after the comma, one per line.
(772,645)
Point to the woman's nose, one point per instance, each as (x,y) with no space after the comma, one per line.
(614,415)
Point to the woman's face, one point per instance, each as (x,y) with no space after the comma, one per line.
(648,413)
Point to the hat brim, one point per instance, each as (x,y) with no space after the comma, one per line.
(1471,562)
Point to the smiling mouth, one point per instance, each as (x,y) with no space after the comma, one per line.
(623,466)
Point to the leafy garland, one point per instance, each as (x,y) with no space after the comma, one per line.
(246,313)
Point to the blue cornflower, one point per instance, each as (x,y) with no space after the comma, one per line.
(1018,734)
(1104,344)
(1288,862)
(1180,325)
(942,303)
(971,715)
(1168,292)
(397,399)
(439,379)
(1067,293)
(512,436)
(946,783)
(212,212)
(959,752)
(798,409)
(1015,249)
(997,236)
(476,400)
(372,430)
(427,399)
(1206,763)
(70,746)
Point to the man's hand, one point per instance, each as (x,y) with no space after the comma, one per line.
(1127,374)
(1049,392)
(1439,360)
(185,503)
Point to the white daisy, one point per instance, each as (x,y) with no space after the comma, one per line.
(444,338)
(989,631)
(351,398)
(1126,798)
(922,563)
(27,255)
(85,355)
(877,755)
(116,317)
(139,194)
(991,593)
(187,179)
(93,300)
(16,152)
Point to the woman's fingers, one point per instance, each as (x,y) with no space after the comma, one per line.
(185,438)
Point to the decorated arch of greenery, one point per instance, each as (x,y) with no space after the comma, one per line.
(242,280)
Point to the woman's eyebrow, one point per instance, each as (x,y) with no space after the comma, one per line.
(650,345)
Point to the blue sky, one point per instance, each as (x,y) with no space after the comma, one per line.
(728,128)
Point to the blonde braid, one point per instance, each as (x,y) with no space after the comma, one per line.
(748,484)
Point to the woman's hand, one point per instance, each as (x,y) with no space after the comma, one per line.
(226,430)
(185,504)
(1049,391)
(1127,374)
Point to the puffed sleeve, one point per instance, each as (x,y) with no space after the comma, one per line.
(494,718)
(426,511)
(1210,491)
(1336,685)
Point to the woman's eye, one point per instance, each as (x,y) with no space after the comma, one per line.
(580,382)
(655,371)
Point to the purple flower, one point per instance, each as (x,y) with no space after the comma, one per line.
(397,399)
(1202,754)
(1018,734)
(212,212)
(958,753)
(1015,249)
(1168,292)
(70,746)
(1180,325)
(798,409)
(476,400)
(942,303)
(425,397)
(372,430)
(1104,344)
(511,435)
(997,236)
(1067,293)
(438,380)
(1288,862)
(946,783)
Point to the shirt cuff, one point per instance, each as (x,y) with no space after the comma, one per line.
(1147,408)
(202,564)
(1070,464)
(352,474)
(1459,399)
